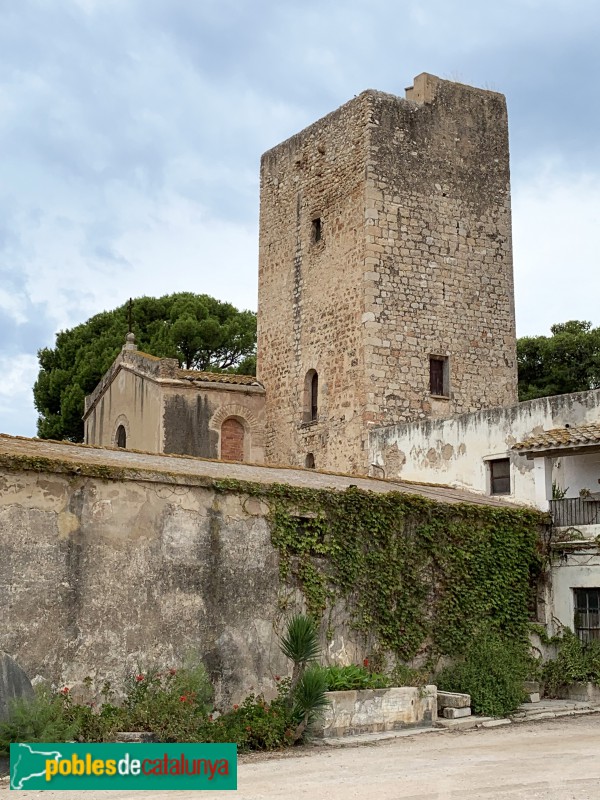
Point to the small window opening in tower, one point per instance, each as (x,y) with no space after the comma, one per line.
(314,396)
(439,376)
(317,230)
(309,461)
(121,437)
(310,401)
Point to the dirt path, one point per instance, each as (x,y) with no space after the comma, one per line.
(551,760)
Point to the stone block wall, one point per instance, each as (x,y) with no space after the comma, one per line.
(439,277)
(310,292)
(374,710)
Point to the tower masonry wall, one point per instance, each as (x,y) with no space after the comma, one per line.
(439,278)
(310,301)
(385,240)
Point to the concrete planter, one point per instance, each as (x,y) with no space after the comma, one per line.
(581,692)
(373,710)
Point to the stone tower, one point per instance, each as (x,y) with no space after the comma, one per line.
(385,275)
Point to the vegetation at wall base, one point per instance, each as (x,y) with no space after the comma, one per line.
(354,677)
(255,724)
(174,705)
(575,662)
(492,670)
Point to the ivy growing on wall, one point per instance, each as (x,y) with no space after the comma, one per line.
(415,574)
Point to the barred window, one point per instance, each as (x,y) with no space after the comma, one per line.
(587,614)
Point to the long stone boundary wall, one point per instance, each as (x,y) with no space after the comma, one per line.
(113,559)
(99,575)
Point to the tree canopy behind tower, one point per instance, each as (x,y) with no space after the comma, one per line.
(568,361)
(201,332)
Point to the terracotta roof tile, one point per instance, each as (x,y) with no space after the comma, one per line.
(218,377)
(561,438)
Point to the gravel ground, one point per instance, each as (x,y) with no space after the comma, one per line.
(548,760)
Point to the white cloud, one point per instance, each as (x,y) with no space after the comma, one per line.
(556,217)
(13,305)
(164,245)
(18,374)
(17,414)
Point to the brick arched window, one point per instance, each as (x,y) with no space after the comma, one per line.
(121,436)
(310,412)
(232,440)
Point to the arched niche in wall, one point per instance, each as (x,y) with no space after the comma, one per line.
(232,439)
(244,417)
(121,437)
(310,403)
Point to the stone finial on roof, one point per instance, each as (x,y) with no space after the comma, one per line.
(130,342)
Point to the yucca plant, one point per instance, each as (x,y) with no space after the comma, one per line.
(307,698)
(310,699)
(301,645)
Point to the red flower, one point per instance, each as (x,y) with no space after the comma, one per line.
(183,699)
(172,671)
(235,708)
(139,678)
(65,690)
(366,662)
(277,677)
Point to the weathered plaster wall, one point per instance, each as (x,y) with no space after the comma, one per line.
(578,570)
(99,574)
(454,451)
(131,400)
(193,417)
(165,409)
(112,558)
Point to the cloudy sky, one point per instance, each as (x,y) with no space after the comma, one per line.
(131,133)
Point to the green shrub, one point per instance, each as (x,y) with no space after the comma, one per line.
(255,724)
(173,704)
(403,675)
(492,671)
(575,661)
(41,718)
(170,703)
(341,679)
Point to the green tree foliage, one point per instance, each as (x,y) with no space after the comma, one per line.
(568,361)
(201,332)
